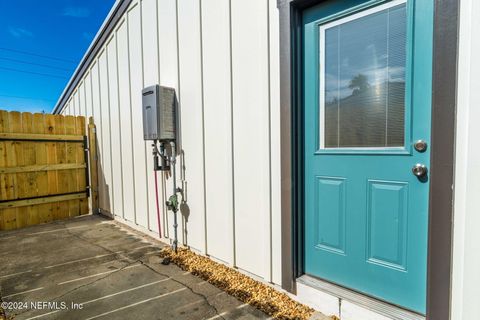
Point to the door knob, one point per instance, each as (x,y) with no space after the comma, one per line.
(419,170)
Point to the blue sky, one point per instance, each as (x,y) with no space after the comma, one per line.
(45,39)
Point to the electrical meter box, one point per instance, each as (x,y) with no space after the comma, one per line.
(159,111)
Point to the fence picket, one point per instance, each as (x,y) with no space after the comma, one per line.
(10,215)
(42,178)
(4,178)
(30,160)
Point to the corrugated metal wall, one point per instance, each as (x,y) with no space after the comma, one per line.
(222,57)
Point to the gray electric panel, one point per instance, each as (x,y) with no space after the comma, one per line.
(158,106)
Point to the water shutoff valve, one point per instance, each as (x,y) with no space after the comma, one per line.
(172,203)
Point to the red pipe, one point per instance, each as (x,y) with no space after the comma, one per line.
(158,205)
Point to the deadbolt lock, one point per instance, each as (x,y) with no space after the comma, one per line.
(420,145)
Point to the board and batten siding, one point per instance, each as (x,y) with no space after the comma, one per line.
(466,260)
(222,58)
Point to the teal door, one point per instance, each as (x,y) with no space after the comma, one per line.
(367,115)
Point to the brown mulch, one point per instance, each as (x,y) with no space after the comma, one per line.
(261,296)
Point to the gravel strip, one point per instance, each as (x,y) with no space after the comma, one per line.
(263,297)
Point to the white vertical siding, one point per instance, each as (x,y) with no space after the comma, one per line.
(96,110)
(67,107)
(78,110)
(150,42)
(218,128)
(105,167)
(150,77)
(136,85)
(88,94)
(96,106)
(276,223)
(466,240)
(125,124)
(191,121)
(250,132)
(222,59)
(81,98)
(168,75)
(73,102)
(115,133)
(87,80)
(167,43)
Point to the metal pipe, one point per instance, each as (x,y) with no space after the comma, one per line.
(155,153)
(174,176)
(164,158)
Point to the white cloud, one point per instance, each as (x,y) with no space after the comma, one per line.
(19,32)
(76,12)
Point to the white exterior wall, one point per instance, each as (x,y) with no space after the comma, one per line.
(466,247)
(217,97)
(222,59)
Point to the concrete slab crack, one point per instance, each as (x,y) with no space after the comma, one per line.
(57,298)
(122,254)
(204,297)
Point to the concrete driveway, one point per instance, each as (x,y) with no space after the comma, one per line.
(94,268)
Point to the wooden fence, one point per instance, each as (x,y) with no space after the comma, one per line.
(43,168)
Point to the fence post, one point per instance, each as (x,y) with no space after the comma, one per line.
(92,143)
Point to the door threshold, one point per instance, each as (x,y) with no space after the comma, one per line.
(376,306)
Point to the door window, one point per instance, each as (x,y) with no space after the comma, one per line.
(362,79)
